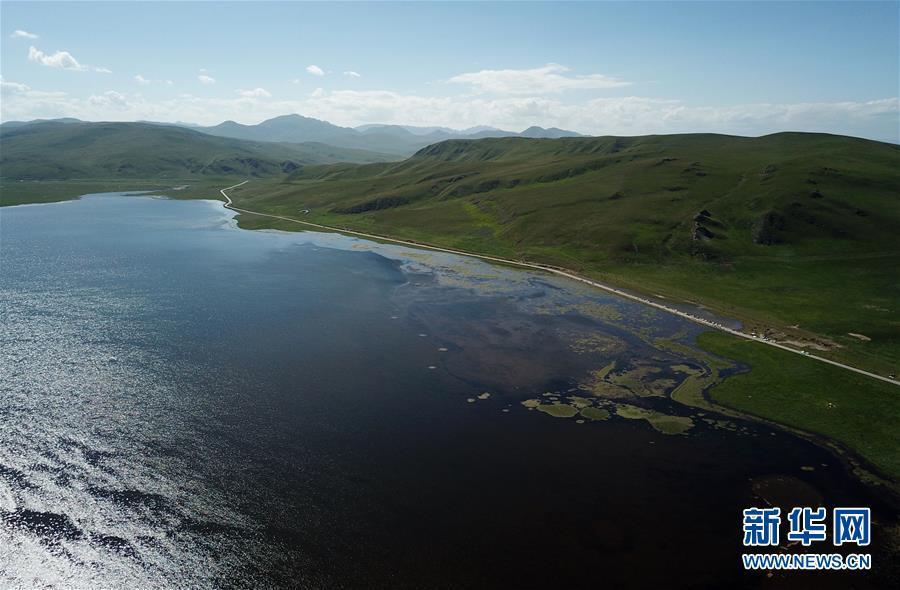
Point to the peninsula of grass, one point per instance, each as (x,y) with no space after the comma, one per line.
(858,412)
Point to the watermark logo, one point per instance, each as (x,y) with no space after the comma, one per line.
(761,527)
(807,525)
(852,525)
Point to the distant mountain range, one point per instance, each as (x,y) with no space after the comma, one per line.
(395,140)
(15,124)
(400,140)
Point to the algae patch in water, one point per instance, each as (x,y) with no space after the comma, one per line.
(663,423)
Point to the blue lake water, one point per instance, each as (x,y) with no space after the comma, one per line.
(187,404)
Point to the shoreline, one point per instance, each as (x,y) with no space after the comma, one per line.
(566,273)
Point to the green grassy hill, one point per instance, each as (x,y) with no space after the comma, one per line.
(794,233)
(78,150)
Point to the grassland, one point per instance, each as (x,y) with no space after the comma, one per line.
(857,412)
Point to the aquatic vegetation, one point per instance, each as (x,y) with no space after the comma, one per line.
(607,390)
(579,402)
(640,381)
(558,410)
(594,413)
(601,311)
(671,424)
(602,373)
(600,387)
(596,342)
(664,423)
(643,380)
(632,412)
(722,424)
(673,345)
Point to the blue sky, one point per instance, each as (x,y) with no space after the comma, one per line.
(606,67)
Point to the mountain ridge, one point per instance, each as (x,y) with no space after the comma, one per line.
(393,139)
(52,150)
(396,140)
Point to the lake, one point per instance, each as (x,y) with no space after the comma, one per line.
(185,403)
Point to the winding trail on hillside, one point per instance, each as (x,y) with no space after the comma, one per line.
(563,273)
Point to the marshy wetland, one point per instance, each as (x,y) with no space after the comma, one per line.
(186,403)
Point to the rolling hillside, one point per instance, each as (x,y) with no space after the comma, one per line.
(794,233)
(78,150)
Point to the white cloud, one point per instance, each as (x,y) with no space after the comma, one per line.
(20,34)
(604,116)
(140,79)
(548,79)
(634,115)
(315,70)
(204,79)
(255,93)
(109,99)
(61,59)
(352,74)
(17,90)
(7,88)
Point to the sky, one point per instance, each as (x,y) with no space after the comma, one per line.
(600,68)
